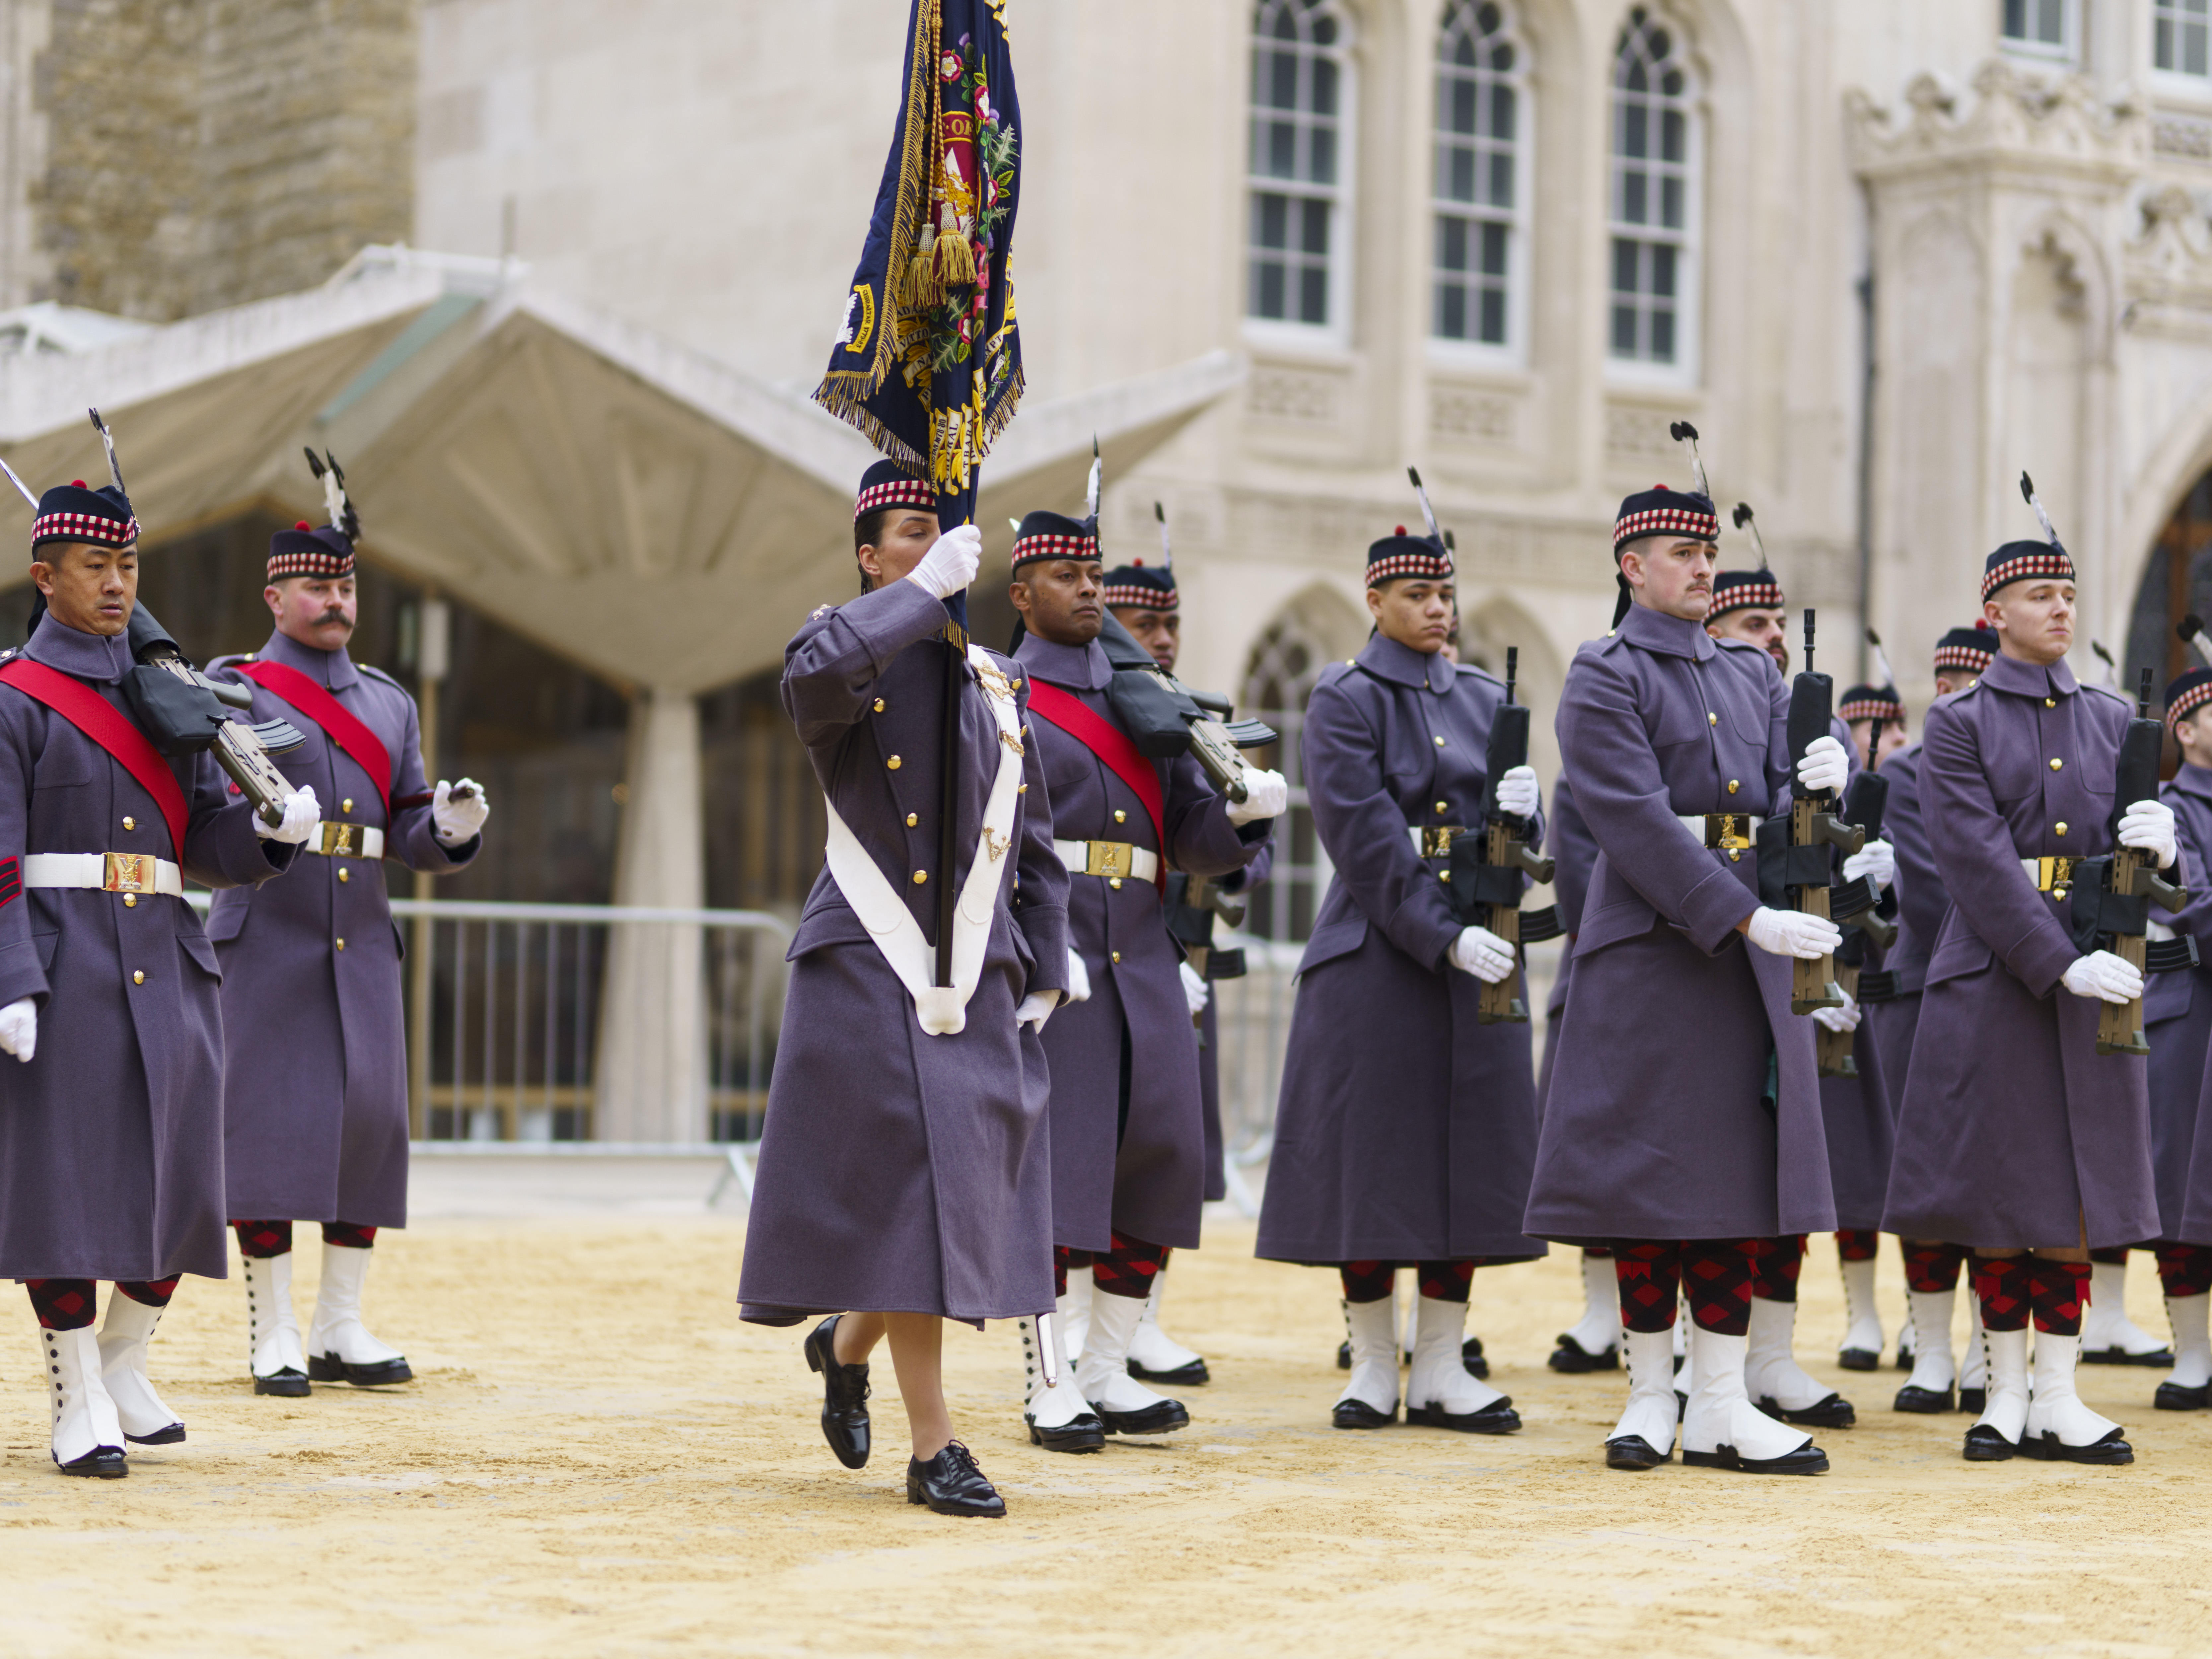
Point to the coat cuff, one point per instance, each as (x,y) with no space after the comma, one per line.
(1044,929)
(2042,958)
(1424,928)
(20,975)
(1712,909)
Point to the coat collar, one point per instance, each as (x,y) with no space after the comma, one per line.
(1401,664)
(333,669)
(2194,780)
(1668,636)
(1079,667)
(2024,679)
(100,657)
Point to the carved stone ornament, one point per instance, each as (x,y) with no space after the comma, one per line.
(2053,124)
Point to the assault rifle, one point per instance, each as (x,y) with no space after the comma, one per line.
(1796,862)
(2112,893)
(184,711)
(1487,868)
(1861,910)
(1165,718)
(1192,905)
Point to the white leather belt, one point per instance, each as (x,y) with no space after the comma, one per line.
(112,873)
(344,841)
(1726,832)
(1115,859)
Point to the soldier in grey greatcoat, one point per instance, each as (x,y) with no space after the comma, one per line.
(111,1113)
(1128,1130)
(905,1168)
(315,1096)
(1684,1123)
(2016,1136)
(1407,1143)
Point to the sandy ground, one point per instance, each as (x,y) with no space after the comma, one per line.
(600,1459)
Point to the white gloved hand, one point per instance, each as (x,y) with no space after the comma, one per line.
(457,821)
(1079,976)
(1195,989)
(19,1028)
(1036,1008)
(1877,859)
(1824,770)
(1516,793)
(2147,826)
(1792,933)
(1482,953)
(1845,1018)
(1266,795)
(2101,975)
(951,563)
(302,810)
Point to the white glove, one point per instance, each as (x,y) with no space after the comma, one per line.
(1792,933)
(302,810)
(1079,976)
(2102,975)
(19,1028)
(2147,826)
(1036,1008)
(1516,793)
(1845,1018)
(457,821)
(1824,770)
(951,563)
(1266,796)
(1194,991)
(1482,953)
(1877,859)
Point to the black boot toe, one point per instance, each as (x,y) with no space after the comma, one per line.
(1086,1434)
(1984,1445)
(1571,1359)
(1910,1398)
(844,1397)
(1164,1417)
(2174,1397)
(286,1383)
(1192,1375)
(1633,1452)
(1358,1414)
(951,1483)
(100,1463)
(1858,1359)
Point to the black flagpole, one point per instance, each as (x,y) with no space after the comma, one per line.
(948,792)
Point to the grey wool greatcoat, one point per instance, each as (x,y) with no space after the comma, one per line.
(901,1172)
(315,1095)
(1858,1111)
(1142,1173)
(111,1139)
(2014,1131)
(1922,904)
(1658,1125)
(1240,882)
(2178,1024)
(1404,1129)
(1576,855)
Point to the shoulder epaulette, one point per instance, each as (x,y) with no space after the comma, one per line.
(11,653)
(379,674)
(229,661)
(1334,672)
(1739,645)
(1478,671)
(2116,695)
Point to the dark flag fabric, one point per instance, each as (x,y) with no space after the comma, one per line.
(928,364)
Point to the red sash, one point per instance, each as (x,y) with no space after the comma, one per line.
(1111,744)
(345,730)
(108,726)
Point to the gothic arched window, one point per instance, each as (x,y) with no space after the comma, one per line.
(1300,164)
(1480,154)
(1655,195)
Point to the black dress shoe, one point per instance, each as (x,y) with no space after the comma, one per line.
(1498,1416)
(1833,1412)
(1858,1359)
(1807,1459)
(100,1463)
(2173,1397)
(1976,1401)
(1358,1414)
(1470,1355)
(288,1382)
(1926,1400)
(1571,1359)
(1985,1445)
(949,1483)
(2162,1358)
(1633,1452)
(329,1368)
(1182,1376)
(1344,1355)
(1164,1417)
(2112,1447)
(172,1436)
(1086,1434)
(844,1398)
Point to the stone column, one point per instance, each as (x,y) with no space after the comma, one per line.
(652,1073)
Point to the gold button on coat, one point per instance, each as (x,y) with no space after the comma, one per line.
(2061,827)
(1116,955)
(1120,817)
(344,874)
(2050,702)
(346,806)
(129,823)
(2056,763)
(911,820)
(893,762)
(1113,882)
(919,877)
(1440,742)
(130,900)
(138,976)
(1732,786)
(1711,718)
(341,944)
(879,705)
(1441,806)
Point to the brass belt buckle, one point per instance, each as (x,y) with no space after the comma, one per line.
(338,841)
(2054,876)
(1110,858)
(1436,839)
(129,873)
(1728,832)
